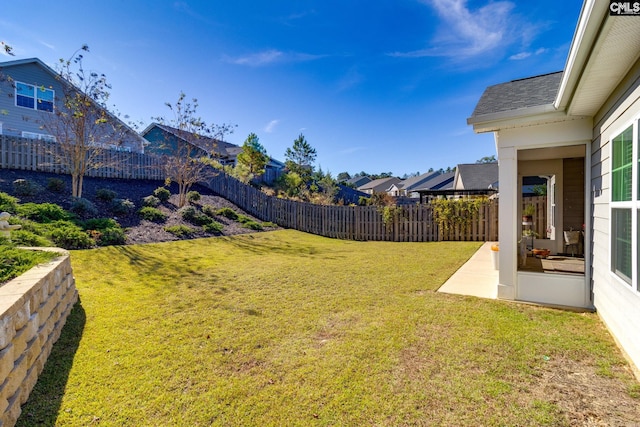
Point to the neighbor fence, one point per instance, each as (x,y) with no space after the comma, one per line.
(43,156)
(414,223)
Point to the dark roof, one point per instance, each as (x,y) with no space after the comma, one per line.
(358,181)
(477,176)
(205,143)
(518,94)
(380,185)
(440,182)
(410,184)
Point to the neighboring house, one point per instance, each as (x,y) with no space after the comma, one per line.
(381,185)
(358,181)
(348,196)
(161,138)
(579,129)
(436,185)
(475,176)
(30,91)
(407,187)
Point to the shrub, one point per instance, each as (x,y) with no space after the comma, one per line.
(111,236)
(152,201)
(269,224)
(253,225)
(17,261)
(8,203)
(208,210)
(99,224)
(121,206)
(29,238)
(162,193)
(55,185)
(188,213)
(193,196)
(228,213)
(179,230)
(152,214)
(25,187)
(71,237)
(42,212)
(213,227)
(105,194)
(83,207)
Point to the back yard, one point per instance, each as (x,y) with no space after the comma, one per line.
(286,328)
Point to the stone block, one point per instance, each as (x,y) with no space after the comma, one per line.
(7,360)
(19,343)
(7,331)
(17,376)
(27,385)
(13,411)
(32,327)
(21,316)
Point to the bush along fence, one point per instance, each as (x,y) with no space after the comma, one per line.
(43,156)
(413,223)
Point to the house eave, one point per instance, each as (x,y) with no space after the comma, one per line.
(507,119)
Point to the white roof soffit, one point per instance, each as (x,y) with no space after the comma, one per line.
(603,50)
(516,118)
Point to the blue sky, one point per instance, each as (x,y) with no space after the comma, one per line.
(377,85)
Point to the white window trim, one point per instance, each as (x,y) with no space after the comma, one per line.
(633,205)
(39,136)
(35,94)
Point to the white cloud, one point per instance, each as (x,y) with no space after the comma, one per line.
(271,56)
(465,33)
(270,127)
(519,56)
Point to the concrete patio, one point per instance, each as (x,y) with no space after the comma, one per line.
(476,277)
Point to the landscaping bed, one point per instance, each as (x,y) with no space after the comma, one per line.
(136,228)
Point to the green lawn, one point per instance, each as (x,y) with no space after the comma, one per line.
(285,328)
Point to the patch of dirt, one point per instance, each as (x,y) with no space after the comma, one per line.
(137,230)
(587,398)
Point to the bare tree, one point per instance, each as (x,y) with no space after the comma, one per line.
(186,157)
(81,124)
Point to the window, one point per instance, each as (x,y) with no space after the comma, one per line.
(34,97)
(625,206)
(40,136)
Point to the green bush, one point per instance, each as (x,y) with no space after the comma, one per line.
(99,224)
(152,214)
(25,187)
(83,207)
(162,193)
(253,225)
(42,212)
(121,206)
(29,238)
(152,201)
(105,194)
(213,227)
(111,236)
(193,196)
(179,230)
(208,210)
(191,214)
(269,224)
(228,213)
(8,203)
(71,237)
(16,261)
(55,185)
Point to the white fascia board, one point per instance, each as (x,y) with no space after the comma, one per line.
(591,16)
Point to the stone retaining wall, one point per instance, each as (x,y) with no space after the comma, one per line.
(33,310)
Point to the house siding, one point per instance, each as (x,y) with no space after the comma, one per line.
(15,119)
(616,302)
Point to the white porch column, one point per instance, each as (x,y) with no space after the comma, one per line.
(508,222)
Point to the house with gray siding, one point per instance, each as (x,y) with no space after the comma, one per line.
(162,140)
(30,91)
(579,129)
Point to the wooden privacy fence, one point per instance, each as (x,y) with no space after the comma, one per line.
(413,223)
(42,156)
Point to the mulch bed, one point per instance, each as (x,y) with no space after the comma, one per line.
(137,229)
